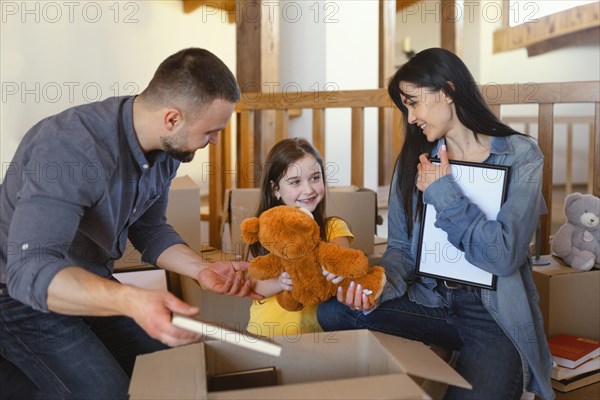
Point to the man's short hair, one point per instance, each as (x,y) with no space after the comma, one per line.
(191,79)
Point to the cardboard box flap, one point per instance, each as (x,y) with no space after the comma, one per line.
(395,386)
(419,360)
(153,374)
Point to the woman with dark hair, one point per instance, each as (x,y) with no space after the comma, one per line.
(497,335)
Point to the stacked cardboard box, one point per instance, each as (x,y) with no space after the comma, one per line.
(569,299)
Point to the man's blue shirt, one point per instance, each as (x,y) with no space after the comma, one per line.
(78,186)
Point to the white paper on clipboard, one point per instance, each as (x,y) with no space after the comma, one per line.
(484,185)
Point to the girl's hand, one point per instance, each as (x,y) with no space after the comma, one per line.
(335,279)
(427,173)
(285,281)
(354,297)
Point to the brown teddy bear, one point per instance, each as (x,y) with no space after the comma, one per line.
(292,238)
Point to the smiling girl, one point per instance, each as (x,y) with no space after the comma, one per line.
(293,176)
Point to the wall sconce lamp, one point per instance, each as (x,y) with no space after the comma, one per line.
(406,47)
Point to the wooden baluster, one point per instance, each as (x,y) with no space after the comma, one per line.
(496,109)
(227,144)
(590,132)
(357,158)
(245,150)
(569,160)
(398,134)
(218,180)
(595,149)
(318,130)
(546,143)
(281,125)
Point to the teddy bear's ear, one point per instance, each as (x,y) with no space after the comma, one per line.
(571,198)
(249,230)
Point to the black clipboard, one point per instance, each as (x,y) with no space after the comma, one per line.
(484,185)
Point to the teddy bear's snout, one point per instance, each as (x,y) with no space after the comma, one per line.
(589,219)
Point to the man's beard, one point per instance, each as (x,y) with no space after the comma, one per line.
(183,156)
(171,147)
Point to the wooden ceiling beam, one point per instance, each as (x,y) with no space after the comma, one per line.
(548,28)
(587,36)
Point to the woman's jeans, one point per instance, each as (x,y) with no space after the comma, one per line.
(487,358)
(53,356)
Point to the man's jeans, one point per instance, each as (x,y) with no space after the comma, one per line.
(66,356)
(487,358)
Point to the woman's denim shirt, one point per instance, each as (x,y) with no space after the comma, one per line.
(514,304)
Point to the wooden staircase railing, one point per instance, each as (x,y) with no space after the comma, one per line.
(246,162)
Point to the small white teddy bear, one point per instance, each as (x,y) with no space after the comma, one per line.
(577,242)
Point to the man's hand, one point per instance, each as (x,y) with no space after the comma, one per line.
(228,277)
(153,309)
(428,172)
(75,291)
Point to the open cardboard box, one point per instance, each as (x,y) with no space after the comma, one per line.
(356,205)
(569,299)
(358,364)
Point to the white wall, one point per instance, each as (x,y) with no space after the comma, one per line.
(55,55)
(333,46)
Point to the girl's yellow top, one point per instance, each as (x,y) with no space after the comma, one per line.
(268,318)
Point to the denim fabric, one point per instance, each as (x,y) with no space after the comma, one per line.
(14,384)
(461,324)
(68,357)
(78,186)
(514,304)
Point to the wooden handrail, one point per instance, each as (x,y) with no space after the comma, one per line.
(545,95)
(570,123)
(323,99)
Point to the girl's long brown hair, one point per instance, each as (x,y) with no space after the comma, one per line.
(281,156)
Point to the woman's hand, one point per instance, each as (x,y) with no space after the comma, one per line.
(354,297)
(427,173)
